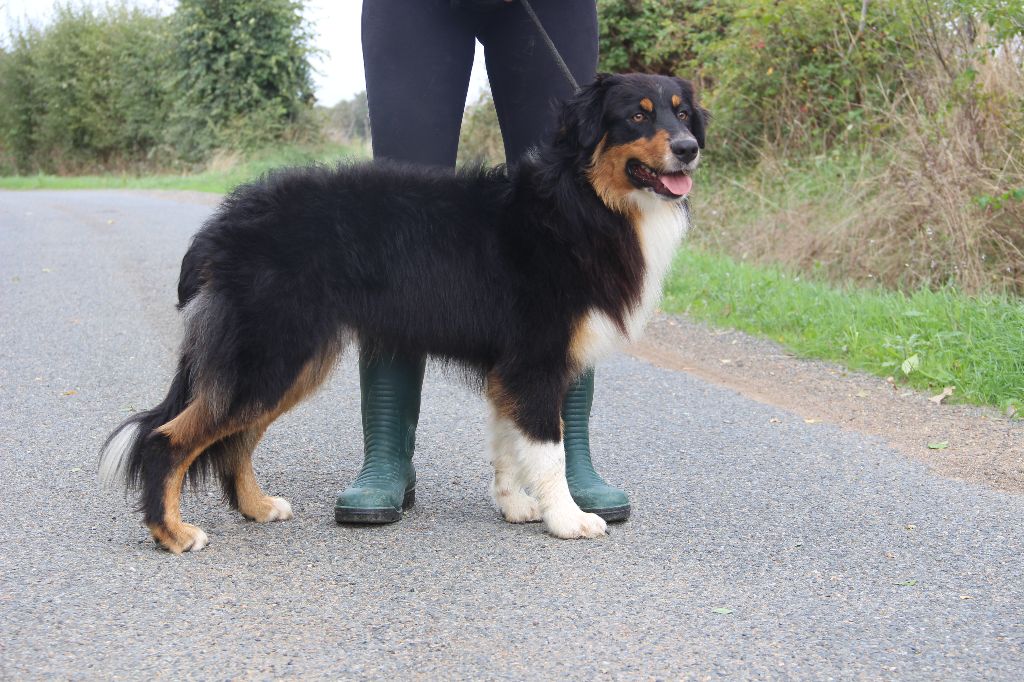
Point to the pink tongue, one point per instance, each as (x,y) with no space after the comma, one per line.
(677,183)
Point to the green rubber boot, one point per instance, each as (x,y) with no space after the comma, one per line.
(386,484)
(590,491)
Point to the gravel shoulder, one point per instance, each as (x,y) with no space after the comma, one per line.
(984,446)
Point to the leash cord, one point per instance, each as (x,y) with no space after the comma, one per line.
(551,45)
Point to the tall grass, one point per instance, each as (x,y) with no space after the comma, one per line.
(937,201)
(954,189)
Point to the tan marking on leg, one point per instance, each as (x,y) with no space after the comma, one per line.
(593,337)
(310,377)
(253,503)
(504,404)
(191,432)
(647,105)
(581,341)
(172,533)
(192,424)
(195,429)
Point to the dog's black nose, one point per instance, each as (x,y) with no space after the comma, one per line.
(685,149)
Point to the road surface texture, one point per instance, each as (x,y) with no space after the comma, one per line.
(793,550)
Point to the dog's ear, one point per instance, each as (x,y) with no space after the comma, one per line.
(583,115)
(699,121)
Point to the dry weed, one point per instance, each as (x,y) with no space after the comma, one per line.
(935,202)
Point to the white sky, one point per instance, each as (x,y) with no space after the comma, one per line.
(339,71)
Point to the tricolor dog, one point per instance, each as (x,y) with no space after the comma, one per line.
(526,275)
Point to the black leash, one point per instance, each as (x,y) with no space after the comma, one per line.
(551,45)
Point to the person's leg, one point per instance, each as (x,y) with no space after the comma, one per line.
(527,85)
(417,55)
(389,391)
(526,81)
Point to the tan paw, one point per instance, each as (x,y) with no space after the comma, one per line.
(569,522)
(179,537)
(269,509)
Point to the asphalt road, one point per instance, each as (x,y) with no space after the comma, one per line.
(760,546)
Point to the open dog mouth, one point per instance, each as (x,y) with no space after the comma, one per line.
(674,185)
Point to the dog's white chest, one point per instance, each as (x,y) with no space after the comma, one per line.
(661,229)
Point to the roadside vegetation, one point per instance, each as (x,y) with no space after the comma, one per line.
(126,90)
(220,175)
(929,339)
(862,195)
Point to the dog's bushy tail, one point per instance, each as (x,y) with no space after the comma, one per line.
(136,439)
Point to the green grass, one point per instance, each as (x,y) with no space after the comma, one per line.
(973,343)
(218,181)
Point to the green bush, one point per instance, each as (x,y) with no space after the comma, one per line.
(806,74)
(122,88)
(656,36)
(89,89)
(794,74)
(480,138)
(242,73)
(18,107)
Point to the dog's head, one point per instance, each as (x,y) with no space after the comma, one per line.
(637,134)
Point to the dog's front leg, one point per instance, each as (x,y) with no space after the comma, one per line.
(542,467)
(527,450)
(503,442)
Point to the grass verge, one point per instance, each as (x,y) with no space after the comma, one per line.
(222,174)
(928,339)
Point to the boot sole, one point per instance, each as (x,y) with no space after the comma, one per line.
(375,515)
(612,514)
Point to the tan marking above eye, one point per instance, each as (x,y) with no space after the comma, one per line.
(647,105)
(676,100)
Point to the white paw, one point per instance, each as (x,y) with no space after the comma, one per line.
(267,509)
(569,522)
(199,541)
(179,537)
(281,509)
(517,506)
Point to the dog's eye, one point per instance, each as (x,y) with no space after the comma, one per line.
(683,115)
(639,117)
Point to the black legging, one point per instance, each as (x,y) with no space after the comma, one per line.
(418,55)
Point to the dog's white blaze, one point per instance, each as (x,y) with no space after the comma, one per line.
(663,225)
(113,466)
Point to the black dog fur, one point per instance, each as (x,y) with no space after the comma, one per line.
(493,269)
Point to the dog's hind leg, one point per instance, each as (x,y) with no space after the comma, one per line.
(528,411)
(195,431)
(238,480)
(178,444)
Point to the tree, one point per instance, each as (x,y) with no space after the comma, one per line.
(243,73)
